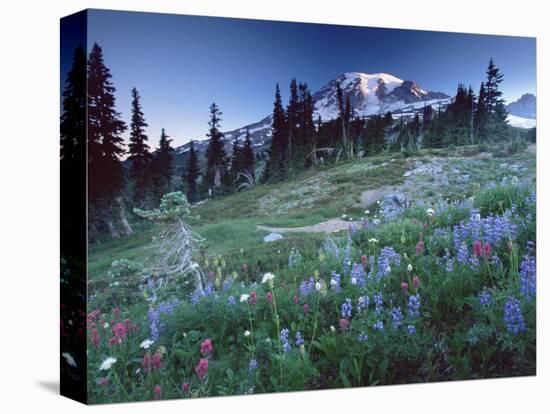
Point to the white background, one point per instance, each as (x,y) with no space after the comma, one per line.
(29,109)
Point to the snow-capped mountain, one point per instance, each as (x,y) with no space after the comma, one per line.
(372,94)
(369,94)
(525,107)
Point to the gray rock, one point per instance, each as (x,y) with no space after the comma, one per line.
(394,200)
(272,237)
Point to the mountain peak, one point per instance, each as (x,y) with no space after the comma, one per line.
(372,94)
(525,106)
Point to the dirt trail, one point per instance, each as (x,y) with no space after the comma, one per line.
(329,226)
(336,224)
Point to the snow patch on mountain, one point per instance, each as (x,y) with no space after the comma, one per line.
(520,122)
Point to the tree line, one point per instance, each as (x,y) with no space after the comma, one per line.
(299,141)
(147,174)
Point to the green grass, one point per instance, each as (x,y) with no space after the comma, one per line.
(229,223)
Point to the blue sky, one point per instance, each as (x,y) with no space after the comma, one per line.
(181,64)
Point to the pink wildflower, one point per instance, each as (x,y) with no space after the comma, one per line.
(120,330)
(202,369)
(185,387)
(404,286)
(103,382)
(295,299)
(269,298)
(486,250)
(158,392)
(116,313)
(364,260)
(306,308)
(253,297)
(96,340)
(206,347)
(416,282)
(420,247)
(344,324)
(477,248)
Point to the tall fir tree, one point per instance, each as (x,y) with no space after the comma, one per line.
(497,123)
(73,154)
(292,118)
(481,115)
(248,156)
(139,155)
(236,160)
(216,162)
(276,165)
(73,119)
(105,145)
(162,167)
(192,173)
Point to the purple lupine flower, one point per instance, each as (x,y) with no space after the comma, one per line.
(346,309)
(362,303)
(528,277)
(484,297)
(388,257)
(378,325)
(396,317)
(414,306)
(307,286)
(357,275)
(335,282)
(298,340)
(378,302)
(362,337)
(513,319)
(284,339)
(411,329)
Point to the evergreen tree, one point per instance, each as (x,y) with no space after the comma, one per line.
(216,168)
(105,144)
(342,116)
(458,119)
(306,128)
(497,123)
(481,116)
(73,119)
(73,153)
(276,165)
(236,159)
(139,155)
(248,156)
(292,125)
(427,116)
(162,167)
(192,173)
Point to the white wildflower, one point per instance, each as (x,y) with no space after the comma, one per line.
(247,333)
(267,277)
(477,217)
(106,325)
(373,241)
(409,267)
(244,297)
(317,286)
(332,328)
(430,212)
(344,216)
(69,358)
(388,269)
(107,364)
(353,281)
(146,344)
(367,212)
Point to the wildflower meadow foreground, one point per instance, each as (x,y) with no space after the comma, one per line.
(432,293)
